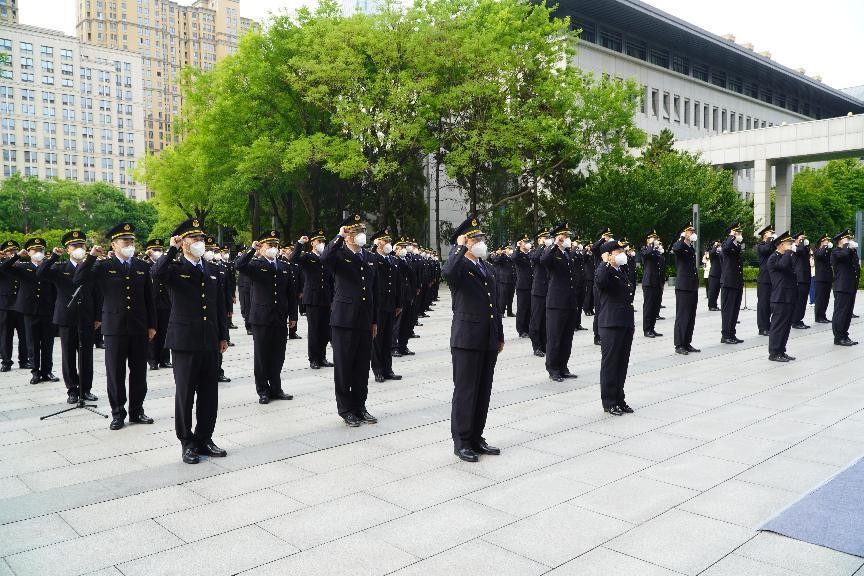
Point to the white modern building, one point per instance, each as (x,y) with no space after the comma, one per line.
(70,110)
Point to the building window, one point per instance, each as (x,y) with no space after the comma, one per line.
(611,40)
(718,78)
(696,115)
(660,57)
(732,119)
(686,111)
(666,114)
(681,64)
(700,72)
(715,118)
(655,104)
(736,85)
(676,108)
(636,49)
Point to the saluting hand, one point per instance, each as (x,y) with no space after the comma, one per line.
(151,334)
(23,253)
(97,251)
(57,250)
(303,239)
(343,231)
(460,241)
(176,241)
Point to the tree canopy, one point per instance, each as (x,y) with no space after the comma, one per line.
(824,200)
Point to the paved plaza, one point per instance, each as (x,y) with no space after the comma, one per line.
(720,442)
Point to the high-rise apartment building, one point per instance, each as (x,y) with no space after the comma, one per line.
(8,11)
(69,110)
(169,36)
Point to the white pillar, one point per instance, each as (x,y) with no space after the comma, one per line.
(761,193)
(783,197)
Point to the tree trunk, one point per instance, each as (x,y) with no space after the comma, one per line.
(255,213)
(438,201)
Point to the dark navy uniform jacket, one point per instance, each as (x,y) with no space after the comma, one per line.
(387,287)
(764,250)
(524,273)
(562,278)
(733,265)
(822,259)
(354,302)
(199,319)
(8,290)
(686,277)
(317,280)
(802,264)
(540,282)
(128,307)
(407,282)
(272,295)
(614,288)
(35,297)
(782,270)
(476,320)
(847,268)
(652,266)
(89,305)
(717,262)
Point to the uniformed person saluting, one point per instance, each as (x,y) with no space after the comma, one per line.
(686,290)
(764,250)
(714,275)
(732,283)
(128,320)
(615,323)
(561,303)
(823,278)
(197,336)
(539,289)
(803,275)
(10,320)
(76,320)
(476,338)
(781,266)
(352,318)
(272,298)
(159,356)
(524,279)
(317,296)
(388,305)
(652,283)
(847,269)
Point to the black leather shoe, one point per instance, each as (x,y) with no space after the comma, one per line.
(763,333)
(523,335)
(556,377)
(597,341)
(483,447)
(568,374)
(223,378)
(326,364)
(777,358)
(392,376)
(589,313)
(25,365)
(352,420)
(714,309)
(650,335)
(681,350)
(210,449)
(314,365)
(660,318)
(366,417)
(230,344)
(262,399)
(790,358)
(406,352)
(800,326)
(539,353)
(72,398)
(738,340)
(99,346)
(466,454)
(728,341)
(855,315)
(414,335)
(190,456)
(232,326)
(294,337)
(625,408)
(281,396)
(5,368)
(50,377)
(844,342)
(35,379)
(396,353)
(823,321)
(154,366)
(379,378)
(248,332)
(166,365)
(580,327)
(89,397)
(141,418)
(116,424)
(690,348)
(614,410)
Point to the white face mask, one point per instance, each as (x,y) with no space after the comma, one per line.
(319,248)
(621,259)
(79,253)
(360,239)
(693,237)
(806,242)
(772,237)
(567,243)
(479,250)
(402,253)
(127,251)
(388,248)
(37,256)
(528,245)
(271,253)
(197,249)
(852,244)
(410,249)
(739,237)
(217,256)
(509,252)
(156,254)
(547,241)
(830,245)
(208,255)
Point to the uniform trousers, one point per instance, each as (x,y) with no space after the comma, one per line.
(39,332)
(352,351)
(615,344)
(650,306)
(588,300)
(537,324)
(823,295)
(382,359)
(523,311)
(763,306)
(404,326)
(560,326)
(713,291)
(318,321)
(10,323)
(245,304)
(269,341)
(158,354)
(844,303)
(781,324)
(76,347)
(685,316)
(473,371)
(802,293)
(195,375)
(730,306)
(121,350)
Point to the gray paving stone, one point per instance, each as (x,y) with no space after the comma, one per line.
(34,533)
(684,542)
(221,555)
(600,467)
(799,556)
(740,447)
(246,480)
(102,550)
(634,499)
(655,445)
(572,442)
(11,487)
(530,493)
(828,450)
(441,527)
(318,488)
(740,503)
(554,536)
(735,565)
(474,559)
(789,474)
(225,515)
(424,490)
(331,520)
(694,471)
(599,562)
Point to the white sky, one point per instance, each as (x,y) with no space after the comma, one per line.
(825,38)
